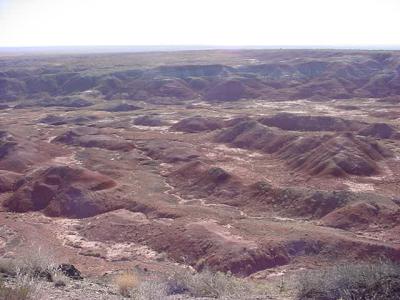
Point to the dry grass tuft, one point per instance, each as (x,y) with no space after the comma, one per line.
(36,262)
(23,288)
(126,283)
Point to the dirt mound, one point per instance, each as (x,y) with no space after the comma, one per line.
(53,120)
(170,151)
(7,180)
(295,202)
(391,99)
(24,105)
(202,180)
(197,124)
(65,102)
(381,131)
(4,106)
(288,121)
(199,180)
(61,120)
(253,135)
(149,120)
(78,83)
(334,155)
(122,107)
(90,137)
(236,120)
(207,244)
(62,191)
(202,244)
(18,155)
(184,71)
(361,215)
(227,90)
(166,87)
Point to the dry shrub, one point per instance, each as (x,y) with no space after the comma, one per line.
(208,284)
(126,283)
(23,288)
(37,261)
(153,289)
(373,281)
(7,266)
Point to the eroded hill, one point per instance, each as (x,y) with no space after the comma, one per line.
(115,161)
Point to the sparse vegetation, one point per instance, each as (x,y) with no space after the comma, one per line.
(152,289)
(37,262)
(372,281)
(282,178)
(126,283)
(24,288)
(209,284)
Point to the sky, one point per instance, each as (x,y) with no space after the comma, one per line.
(32,23)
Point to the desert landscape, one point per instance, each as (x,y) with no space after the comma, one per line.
(253,168)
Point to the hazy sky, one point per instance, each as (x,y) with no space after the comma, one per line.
(199,22)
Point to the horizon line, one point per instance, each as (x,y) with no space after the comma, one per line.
(193,47)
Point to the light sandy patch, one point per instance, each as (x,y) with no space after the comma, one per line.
(50,139)
(66,160)
(284,219)
(221,231)
(170,191)
(152,128)
(232,150)
(359,187)
(127,215)
(108,251)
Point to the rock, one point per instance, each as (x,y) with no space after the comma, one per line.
(70,271)
(59,283)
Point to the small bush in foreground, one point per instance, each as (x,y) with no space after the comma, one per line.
(374,281)
(37,262)
(7,266)
(150,290)
(24,288)
(126,283)
(207,284)
(185,282)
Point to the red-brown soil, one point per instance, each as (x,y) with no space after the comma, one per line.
(295,122)
(90,137)
(380,131)
(250,186)
(198,124)
(63,191)
(336,155)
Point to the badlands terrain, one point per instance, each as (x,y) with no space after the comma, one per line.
(261,163)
